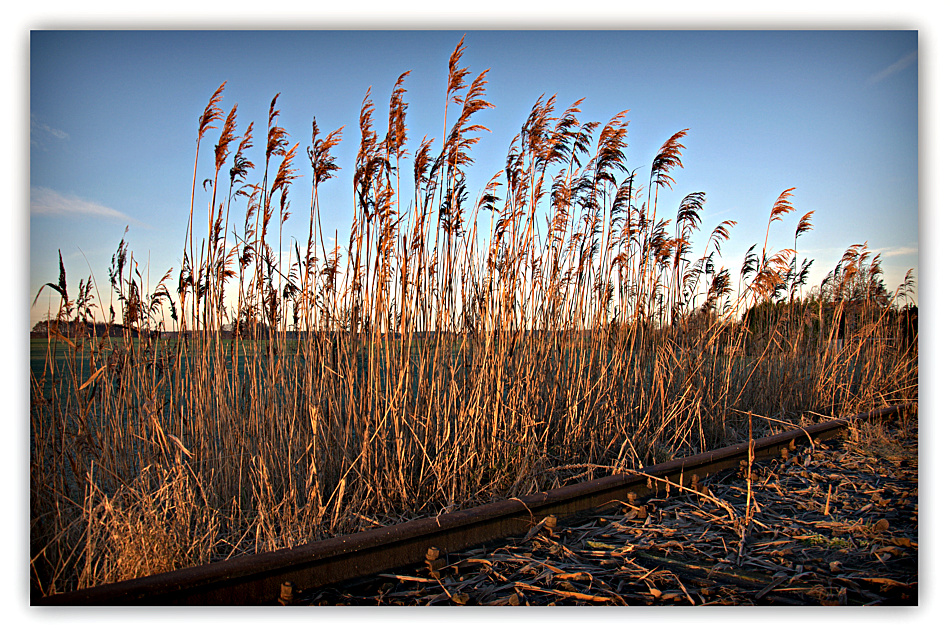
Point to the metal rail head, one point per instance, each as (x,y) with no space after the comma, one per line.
(273,577)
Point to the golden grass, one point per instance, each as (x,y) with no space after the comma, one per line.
(428,364)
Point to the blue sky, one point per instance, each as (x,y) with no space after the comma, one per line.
(113,119)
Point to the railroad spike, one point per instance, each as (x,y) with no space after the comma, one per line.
(434,561)
(286,593)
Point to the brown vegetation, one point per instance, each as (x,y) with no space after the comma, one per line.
(435,365)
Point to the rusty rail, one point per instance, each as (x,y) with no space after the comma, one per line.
(257,579)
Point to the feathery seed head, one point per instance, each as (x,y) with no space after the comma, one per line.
(212,112)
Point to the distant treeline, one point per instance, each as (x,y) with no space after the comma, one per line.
(71,329)
(76,328)
(903,320)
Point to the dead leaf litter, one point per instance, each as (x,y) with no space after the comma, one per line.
(831,524)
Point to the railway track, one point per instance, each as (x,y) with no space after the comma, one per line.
(267,577)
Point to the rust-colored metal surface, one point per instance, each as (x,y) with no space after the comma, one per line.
(258,579)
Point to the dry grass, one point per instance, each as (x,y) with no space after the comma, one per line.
(428,364)
(832,525)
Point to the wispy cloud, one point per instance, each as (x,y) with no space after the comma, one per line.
(41,132)
(47,202)
(900,65)
(899,250)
